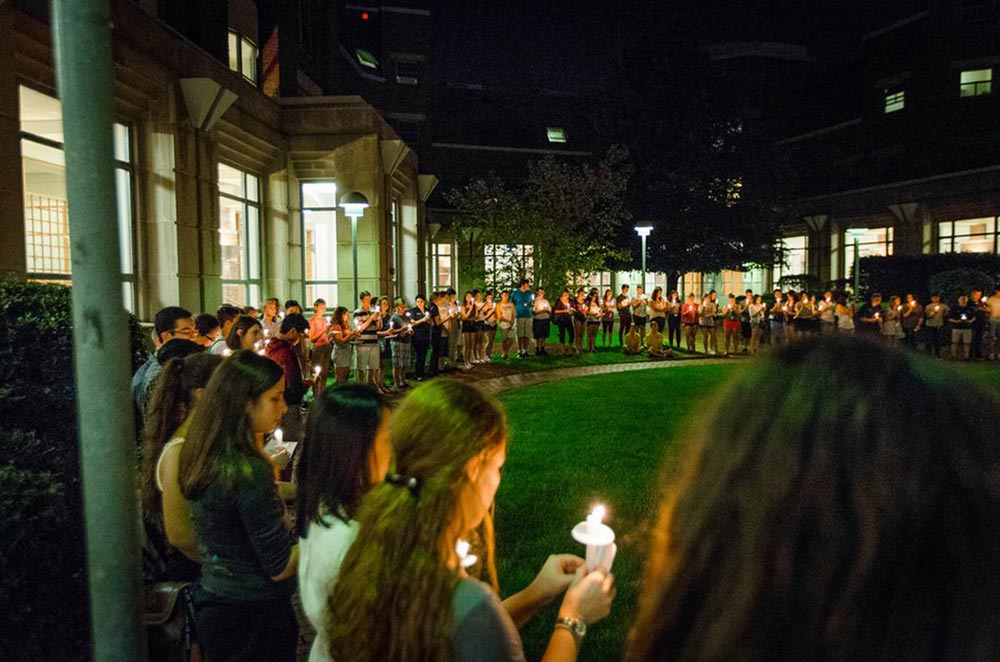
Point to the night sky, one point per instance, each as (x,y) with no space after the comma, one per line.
(566,45)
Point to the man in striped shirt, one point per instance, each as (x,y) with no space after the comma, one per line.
(367,323)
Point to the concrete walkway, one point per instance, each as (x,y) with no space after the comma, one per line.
(500,384)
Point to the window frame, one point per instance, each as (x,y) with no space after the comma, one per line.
(848,243)
(894,101)
(240,42)
(436,256)
(251,284)
(335,282)
(979,88)
(951,237)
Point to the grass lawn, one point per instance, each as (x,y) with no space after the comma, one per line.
(557,468)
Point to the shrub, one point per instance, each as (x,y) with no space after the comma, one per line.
(42,560)
(950,284)
(899,274)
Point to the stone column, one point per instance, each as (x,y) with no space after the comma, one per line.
(908,235)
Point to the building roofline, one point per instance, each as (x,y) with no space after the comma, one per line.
(895,26)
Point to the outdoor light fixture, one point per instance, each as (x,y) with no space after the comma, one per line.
(354,205)
(643,229)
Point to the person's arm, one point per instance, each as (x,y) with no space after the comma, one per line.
(556,575)
(176,512)
(260,511)
(588,600)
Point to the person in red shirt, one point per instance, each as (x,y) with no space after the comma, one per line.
(283,351)
(689,319)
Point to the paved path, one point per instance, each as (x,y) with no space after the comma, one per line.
(501,384)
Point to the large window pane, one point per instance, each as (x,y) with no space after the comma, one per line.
(975,235)
(231,231)
(239,235)
(796,257)
(248,60)
(321,195)
(320,244)
(872,242)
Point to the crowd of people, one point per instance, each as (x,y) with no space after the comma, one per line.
(798,528)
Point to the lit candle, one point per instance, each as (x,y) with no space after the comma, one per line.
(317,370)
(278,435)
(281,314)
(226,353)
(465,559)
(598,538)
(267,332)
(327,318)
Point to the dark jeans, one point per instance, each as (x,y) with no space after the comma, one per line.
(660,323)
(437,348)
(421,344)
(674,331)
(625,320)
(934,335)
(978,331)
(246,632)
(566,329)
(910,338)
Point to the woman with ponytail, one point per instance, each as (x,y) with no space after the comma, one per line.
(245,333)
(346,452)
(243,602)
(402,593)
(164,510)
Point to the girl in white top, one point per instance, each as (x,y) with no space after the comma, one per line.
(346,452)
(756,310)
(845,317)
(177,389)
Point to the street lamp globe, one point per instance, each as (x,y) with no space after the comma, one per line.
(354,204)
(644,228)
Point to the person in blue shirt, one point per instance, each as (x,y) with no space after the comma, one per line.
(522,299)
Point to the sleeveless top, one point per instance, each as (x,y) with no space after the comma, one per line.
(176,441)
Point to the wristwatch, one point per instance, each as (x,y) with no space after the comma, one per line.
(577,627)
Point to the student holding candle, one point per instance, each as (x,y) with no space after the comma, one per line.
(961,318)
(341,335)
(827,311)
(384,350)
(400,333)
(689,318)
(658,309)
(420,320)
(757,311)
(674,320)
(777,322)
(450,444)
(366,327)
(345,453)
(593,317)
(480,317)
(489,327)
(563,314)
(608,307)
(505,317)
(845,315)
(815,531)
(243,601)
(580,307)
(731,324)
(469,329)
(706,321)
(871,317)
(892,328)
(271,321)
(912,320)
(640,309)
(540,327)
(993,303)
(789,307)
(935,314)
(624,304)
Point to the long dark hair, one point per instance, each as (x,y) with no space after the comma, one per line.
(239,329)
(845,506)
(220,440)
(334,469)
(338,317)
(170,403)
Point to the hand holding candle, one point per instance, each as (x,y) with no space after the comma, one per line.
(599,539)
(465,559)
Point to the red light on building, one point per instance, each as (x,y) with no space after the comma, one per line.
(364,16)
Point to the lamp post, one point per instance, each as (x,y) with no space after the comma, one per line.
(643,229)
(856,234)
(354,205)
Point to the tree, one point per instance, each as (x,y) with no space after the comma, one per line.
(558,225)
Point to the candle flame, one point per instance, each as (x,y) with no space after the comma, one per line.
(279,435)
(462,549)
(317,370)
(596,515)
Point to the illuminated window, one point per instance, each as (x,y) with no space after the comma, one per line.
(239,235)
(243,56)
(872,242)
(895,101)
(738,282)
(365,58)
(46,220)
(319,240)
(796,257)
(976,235)
(442,266)
(556,134)
(978,82)
(506,264)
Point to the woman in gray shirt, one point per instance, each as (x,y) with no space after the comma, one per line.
(403,592)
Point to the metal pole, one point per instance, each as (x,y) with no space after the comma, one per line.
(82,36)
(857,269)
(354,252)
(644,263)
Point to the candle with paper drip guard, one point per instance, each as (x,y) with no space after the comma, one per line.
(258,348)
(599,539)
(465,559)
(226,353)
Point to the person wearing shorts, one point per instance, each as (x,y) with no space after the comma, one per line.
(522,299)
(962,318)
(993,303)
(366,345)
(731,324)
(624,304)
(399,340)
(689,320)
(706,320)
(541,311)
(505,317)
(640,309)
